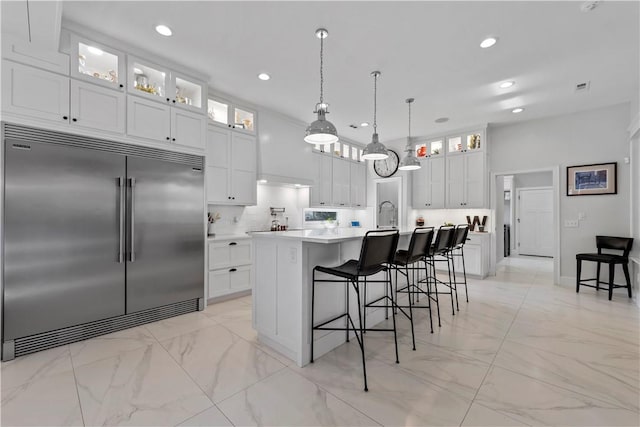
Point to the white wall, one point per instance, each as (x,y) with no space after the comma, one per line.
(240,219)
(594,136)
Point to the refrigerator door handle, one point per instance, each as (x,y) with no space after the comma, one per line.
(121,249)
(132,248)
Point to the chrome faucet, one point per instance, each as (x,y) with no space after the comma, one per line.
(393,212)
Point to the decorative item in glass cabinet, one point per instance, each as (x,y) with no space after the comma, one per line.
(409,161)
(321,131)
(375,150)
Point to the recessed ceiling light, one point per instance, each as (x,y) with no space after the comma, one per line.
(364,124)
(164,30)
(488,42)
(95,50)
(506,85)
(442,120)
(588,6)
(262,181)
(264,76)
(297,185)
(517,110)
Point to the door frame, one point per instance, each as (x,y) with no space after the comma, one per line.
(555,171)
(517,212)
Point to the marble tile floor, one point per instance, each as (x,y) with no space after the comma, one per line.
(522,352)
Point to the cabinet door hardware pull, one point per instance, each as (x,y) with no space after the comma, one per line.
(173,139)
(168,138)
(174,101)
(168,100)
(74,119)
(232,244)
(233,270)
(121,249)
(65,118)
(121,85)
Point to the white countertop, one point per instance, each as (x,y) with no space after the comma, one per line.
(321,235)
(218,237)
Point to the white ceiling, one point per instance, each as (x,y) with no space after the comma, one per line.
(426,50)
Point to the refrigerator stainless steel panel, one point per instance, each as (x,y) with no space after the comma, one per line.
(63,237)
(165,244)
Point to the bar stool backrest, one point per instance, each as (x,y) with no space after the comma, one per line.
(462,231)
(378,247)
(616,243)
(444,239)
(420,243)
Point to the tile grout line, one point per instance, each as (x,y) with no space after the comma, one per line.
(495,356)
(75,379)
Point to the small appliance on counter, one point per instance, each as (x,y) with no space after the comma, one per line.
(277,224)
(420,221)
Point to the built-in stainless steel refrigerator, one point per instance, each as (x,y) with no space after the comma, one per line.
(98,236)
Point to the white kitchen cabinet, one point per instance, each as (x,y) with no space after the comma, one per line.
(225,113)
(162,123)
(476,255)
(466,181)
(429,184)
(188,93)
(148,119)
(188,129)
(229,266)
(231,167)
(34,55)
(97,63)
(96,107)
(358,184)
(33,92)
(49,96)
(147,79)
(321,192)
(341,193)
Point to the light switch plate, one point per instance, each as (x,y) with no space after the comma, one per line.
(571,223)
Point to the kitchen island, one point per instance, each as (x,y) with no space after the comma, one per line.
(283,263)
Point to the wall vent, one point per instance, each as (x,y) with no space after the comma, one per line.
(583,87)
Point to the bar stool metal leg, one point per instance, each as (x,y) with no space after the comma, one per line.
(393,315)
(464,272)
(313,291)
(361,339)
(454,283)
(578,270)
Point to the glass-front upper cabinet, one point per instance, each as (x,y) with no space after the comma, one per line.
(147,79)
(426,149)
(218,111)
(468,141)
(97,63)
(187,93)
(243,119)
(226,113)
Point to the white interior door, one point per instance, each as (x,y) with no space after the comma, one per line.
(535,221)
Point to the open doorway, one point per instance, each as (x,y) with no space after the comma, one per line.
(526,208)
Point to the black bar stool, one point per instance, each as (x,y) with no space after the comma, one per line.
(409,260)
(440,253)
(377,252)
(457,250)
(623,244)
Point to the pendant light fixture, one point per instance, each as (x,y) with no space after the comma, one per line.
(321,131)
(409,162)
(375,150)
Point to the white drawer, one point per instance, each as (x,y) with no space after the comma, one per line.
(228,280)
(229,253)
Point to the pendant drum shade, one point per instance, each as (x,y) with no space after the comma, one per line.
(321,131)
(375,150)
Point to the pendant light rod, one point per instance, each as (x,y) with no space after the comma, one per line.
(322,34)
(409,101)
(375,75)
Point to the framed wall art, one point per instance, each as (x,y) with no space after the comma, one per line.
(598,179)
